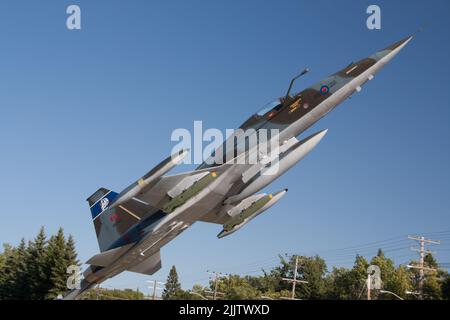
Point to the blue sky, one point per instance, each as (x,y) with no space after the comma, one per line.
(96,107)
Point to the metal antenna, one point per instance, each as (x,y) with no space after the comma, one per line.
(292,83)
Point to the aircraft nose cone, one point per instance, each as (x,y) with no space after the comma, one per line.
(393,49)
(399,44)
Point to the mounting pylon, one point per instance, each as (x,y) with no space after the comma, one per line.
(422,251)
(294,280)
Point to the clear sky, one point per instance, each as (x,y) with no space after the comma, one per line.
(96,107)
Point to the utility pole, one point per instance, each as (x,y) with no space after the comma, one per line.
(155,287)
(369,282)
(97,291)
(216,283)
(421,266)
(294,280)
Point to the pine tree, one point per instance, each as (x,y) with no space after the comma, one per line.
(56,265)
(71,252)
(37,266)
(18,285)
(37,271)
(2,266)
(172,286)
(8,273)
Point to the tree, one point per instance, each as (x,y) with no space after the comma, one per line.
(37,270)
(235,287)
(20,283)
(445,287)
(399,282)
(172,286)
(114,294)
(340,284)
(56,266)
(312,270)
(8,272)
(344,284)
(432,284)
(387,269)
(37,259)
(71,252)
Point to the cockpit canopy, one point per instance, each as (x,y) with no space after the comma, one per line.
(256,121)
(271,106)
(265,113)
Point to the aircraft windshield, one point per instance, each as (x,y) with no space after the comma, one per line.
(269,107)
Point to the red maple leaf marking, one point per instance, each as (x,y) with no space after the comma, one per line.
(114,218)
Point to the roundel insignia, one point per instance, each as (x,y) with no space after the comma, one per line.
(324,89)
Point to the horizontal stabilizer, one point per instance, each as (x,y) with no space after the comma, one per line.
(105,258)
(149,266)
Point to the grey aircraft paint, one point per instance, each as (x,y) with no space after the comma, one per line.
(133,225)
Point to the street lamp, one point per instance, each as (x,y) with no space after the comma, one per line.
(389,292)
(198,294)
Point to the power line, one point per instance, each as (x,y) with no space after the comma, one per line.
(388,245)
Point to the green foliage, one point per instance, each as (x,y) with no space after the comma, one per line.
(313,270)
(339,284)
(57,264)
(345,284)
(399,282)
(37,264)
(36,270)
(172,287)
(235,287)
(446,287)
(114,294)
(14,279)
(434,284)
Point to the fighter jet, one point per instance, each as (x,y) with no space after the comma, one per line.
(133,225)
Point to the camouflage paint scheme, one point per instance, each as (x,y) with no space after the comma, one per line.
(132,226)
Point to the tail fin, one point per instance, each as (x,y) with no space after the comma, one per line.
(100,200)
(104,219)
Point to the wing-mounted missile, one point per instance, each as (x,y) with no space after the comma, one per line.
(187,189)
(248,209)
(151,177)
(286,160)
(266,159)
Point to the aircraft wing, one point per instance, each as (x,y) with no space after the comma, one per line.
(212,217)
(168,187)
